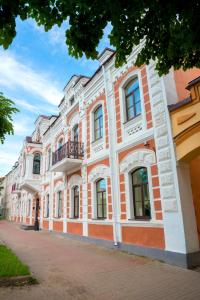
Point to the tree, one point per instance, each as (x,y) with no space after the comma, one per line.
(6,112)
(170,29)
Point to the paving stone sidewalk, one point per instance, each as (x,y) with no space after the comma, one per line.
(70,269)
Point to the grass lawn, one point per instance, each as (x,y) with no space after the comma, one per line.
(10,265)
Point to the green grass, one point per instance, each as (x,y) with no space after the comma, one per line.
(10,265)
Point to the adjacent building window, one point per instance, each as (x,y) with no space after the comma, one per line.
(141,199)
(59,209)
(36,163)
(132,99)
(98,123)
(47,206)
(48,159)
(71,101)
(76,201)
(101,199)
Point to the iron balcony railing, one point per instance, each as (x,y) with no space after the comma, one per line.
(69,150)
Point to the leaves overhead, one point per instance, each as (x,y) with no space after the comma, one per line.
(6,112)
(170,30)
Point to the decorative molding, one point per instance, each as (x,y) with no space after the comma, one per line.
(138,158)
(100,171)
(74,180)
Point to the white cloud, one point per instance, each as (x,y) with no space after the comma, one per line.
(35,109)
(16,74)
(26,105)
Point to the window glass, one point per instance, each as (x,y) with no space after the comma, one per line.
(98,123)
(76,202)
(36,163)
(101,199)
(59,204)
(132,99)
(141,198)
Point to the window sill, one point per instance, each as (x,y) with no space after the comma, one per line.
(133,120)
(98,141)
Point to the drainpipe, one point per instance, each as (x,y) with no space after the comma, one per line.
(113,160)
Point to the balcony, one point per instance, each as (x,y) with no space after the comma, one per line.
(68,157)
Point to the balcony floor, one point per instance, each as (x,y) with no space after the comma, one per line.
(66,165)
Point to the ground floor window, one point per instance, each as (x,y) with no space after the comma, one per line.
(59,208)
(47,206)
(76,201)
(101,199)
(141,198)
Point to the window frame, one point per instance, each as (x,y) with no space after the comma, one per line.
(126,96)
(104,205)
(141,185)
(76,216)
(100,128)
(36,161)
(47,206)
(59,204)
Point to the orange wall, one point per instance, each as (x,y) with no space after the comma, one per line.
(144,236)
(45,224)
(101,231)
(182,78)
(58,226)
(75,228)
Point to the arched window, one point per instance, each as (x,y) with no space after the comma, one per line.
(76,201)
(101,199)
(141,199)
(60,143)
(75,133)
(47,206)
(36,163)
(59,204)
(98,123)
(132,99)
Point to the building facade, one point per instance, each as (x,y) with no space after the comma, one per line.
(105,169)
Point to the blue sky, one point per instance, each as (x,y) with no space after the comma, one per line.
(33,73)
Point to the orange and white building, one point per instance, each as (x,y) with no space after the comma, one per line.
(106,168)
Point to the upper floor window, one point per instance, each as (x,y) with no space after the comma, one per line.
(132,99)
(71,101)
(141,199)
(36,163)
(98,123)
(60,143)
(75,133)
(101,199)
(76,201)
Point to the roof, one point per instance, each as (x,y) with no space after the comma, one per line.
(191,83)
(179,104)
(106,49)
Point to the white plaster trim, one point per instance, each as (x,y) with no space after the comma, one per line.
(100,171)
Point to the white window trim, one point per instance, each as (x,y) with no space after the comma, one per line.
(94,200)
(142,116)
(138,158)
(71,210)
(93,142)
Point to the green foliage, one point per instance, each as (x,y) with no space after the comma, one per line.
(6,111)
(170,30)
(10,265)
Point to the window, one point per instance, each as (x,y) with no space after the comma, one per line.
(75,133)
(36,163)
(47,206)
(98,123)
(101,199)
(60,143)
(59,211)
(71,101)
(76,201)
(141,199)
(132,99)
(48,159)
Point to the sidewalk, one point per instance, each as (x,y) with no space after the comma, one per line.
(69,269)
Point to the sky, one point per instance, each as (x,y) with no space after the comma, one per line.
(33,73)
